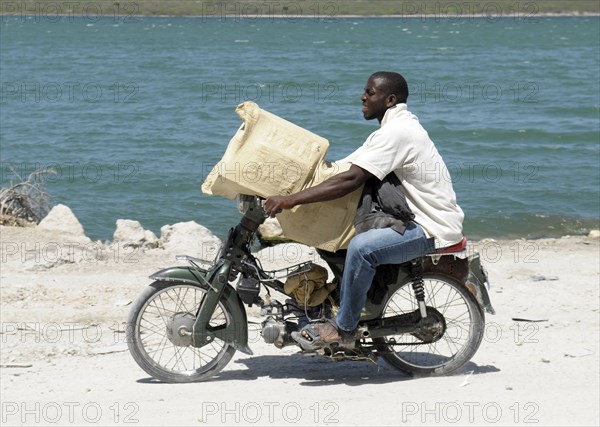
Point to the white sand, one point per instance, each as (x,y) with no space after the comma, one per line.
(64,358)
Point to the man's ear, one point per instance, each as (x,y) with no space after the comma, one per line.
(391,100)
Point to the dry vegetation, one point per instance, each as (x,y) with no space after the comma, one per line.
(26,202)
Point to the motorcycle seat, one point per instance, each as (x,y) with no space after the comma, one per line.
(458,247)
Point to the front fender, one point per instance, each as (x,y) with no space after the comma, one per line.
(237,334)
(186,274)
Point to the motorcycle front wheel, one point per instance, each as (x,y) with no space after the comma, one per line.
(158,333)
(451,341)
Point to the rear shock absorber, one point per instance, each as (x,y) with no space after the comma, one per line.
(416,273)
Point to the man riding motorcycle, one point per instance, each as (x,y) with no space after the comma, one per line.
(401,146)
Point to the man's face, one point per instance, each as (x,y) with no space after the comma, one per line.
(375,99)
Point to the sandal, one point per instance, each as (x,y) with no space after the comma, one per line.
(321,334)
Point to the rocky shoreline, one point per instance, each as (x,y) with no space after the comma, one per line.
(60,239)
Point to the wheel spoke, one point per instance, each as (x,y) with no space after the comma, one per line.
(451,305)
(157,332)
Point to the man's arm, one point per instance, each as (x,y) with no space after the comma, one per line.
(334,188)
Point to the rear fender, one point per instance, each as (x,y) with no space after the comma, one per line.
(467,271)
(477,283)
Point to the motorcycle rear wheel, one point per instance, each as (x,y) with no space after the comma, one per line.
(463,328)
(153,338)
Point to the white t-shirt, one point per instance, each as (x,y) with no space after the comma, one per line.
(403,146)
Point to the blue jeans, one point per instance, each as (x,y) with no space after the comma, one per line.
(368,250)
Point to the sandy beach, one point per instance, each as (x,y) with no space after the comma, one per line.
(64,361)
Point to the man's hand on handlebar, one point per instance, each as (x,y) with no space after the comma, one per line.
(333,188)
(276,204)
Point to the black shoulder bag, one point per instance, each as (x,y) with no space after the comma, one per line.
(383,204)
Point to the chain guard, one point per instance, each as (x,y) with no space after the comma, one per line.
(431,329)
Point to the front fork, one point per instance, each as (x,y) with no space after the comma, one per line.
(235,250)
(202,332)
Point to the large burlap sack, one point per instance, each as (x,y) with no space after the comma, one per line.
(325,225)
(269,155)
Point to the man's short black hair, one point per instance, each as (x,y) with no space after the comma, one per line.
(394,83)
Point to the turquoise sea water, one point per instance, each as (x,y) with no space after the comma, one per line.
(132,113)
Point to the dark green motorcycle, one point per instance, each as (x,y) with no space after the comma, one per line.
(424,317)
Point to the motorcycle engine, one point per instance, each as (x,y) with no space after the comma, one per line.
(278,332)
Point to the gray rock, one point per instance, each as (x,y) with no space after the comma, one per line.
(594,234)
(131,233)
(151,241)
(62,219)
(189,238)
(270,228)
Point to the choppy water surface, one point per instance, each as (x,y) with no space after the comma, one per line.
(132,114)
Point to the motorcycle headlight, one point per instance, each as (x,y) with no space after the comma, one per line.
(244,202)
